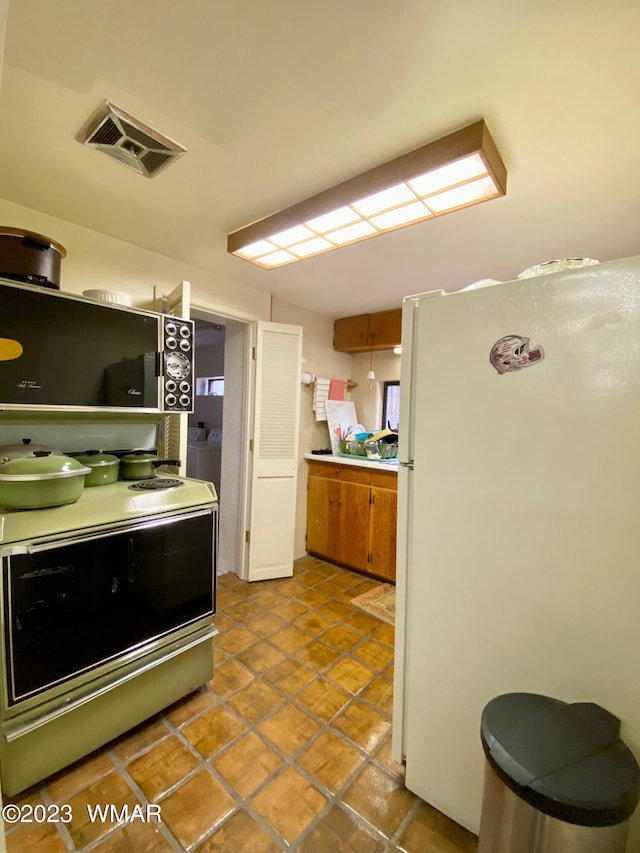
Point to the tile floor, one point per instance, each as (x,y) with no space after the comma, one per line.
(287,748)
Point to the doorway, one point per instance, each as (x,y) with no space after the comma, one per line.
(218,425)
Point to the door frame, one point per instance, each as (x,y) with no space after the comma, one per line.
(237,423)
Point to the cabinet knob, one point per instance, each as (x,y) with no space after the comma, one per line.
(330,500)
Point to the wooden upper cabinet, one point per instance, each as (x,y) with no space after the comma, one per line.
(365,332)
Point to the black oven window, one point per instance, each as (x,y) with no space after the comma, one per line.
(71,608)
(391,405)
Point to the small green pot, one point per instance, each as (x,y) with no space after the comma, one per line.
(104,468)
(38,482)
(142,466)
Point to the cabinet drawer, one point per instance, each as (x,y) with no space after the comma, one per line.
(345,473)
(385,480)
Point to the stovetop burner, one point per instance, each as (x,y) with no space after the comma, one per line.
(154,483)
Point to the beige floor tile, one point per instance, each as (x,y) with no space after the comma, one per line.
(339,832)
(312,577)
(380,694)
(323,699)
(240,834)
(337,610)
(135,837)
(194,809)
(229,677)
(379,799)
(88,770)
(255,701)
(247,764)
(268,598)
(342,637)
(289,728)
(327,570)
(223,623)
(291,587)
(289,676)
(374,655)
(362,621)
(289,609)
(330,760)
(385,634)
(313,623)
(35,838)
(213,731)
(350,674)
(226,598)
(364,726)
(312,597)
(260,656)
(383,755)
(243,610)
(317,655)
(110,790)
(362,586)
(265,624)
(190,706)
(162,767)
(236,640)
(290,639)
(289,804)
(232,582)
(429,829)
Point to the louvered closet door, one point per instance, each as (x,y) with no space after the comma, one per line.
(275,451)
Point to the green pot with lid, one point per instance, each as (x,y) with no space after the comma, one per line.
(41,481)
(104,468)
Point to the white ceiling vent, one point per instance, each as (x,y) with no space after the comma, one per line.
(129,140)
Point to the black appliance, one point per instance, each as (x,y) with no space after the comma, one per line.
(61,351)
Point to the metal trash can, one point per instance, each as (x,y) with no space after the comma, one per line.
(558,779)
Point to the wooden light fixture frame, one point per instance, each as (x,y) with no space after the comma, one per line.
(473,139)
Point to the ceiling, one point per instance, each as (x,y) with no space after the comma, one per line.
(276,100)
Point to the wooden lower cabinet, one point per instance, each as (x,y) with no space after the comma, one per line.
(351,517)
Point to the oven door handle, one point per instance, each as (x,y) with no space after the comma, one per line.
(112,530)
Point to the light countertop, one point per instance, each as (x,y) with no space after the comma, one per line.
(359,461)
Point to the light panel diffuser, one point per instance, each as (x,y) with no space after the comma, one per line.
(456,171)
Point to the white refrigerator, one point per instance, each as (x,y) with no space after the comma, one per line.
(518,513)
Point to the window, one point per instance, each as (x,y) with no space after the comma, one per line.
(391,405)
(210,386)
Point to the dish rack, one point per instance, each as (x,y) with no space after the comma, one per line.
(369,449)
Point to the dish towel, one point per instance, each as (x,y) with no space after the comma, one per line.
(320,395)
(337,387)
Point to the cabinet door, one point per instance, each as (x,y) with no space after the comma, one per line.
(319,527)
(352,528)
(385,329)
(351,333)
(382,532)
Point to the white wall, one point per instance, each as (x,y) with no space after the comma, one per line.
(368,401)
(97,261)
(320,358)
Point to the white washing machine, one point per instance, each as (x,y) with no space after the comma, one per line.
(203,457)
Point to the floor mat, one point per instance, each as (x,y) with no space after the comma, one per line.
(380,602)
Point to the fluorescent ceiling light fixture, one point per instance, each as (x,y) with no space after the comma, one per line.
(454,172)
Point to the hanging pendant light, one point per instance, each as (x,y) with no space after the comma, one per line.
(371,375)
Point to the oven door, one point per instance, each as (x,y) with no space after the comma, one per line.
(75,607)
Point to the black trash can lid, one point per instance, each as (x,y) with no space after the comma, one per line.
(566,760)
